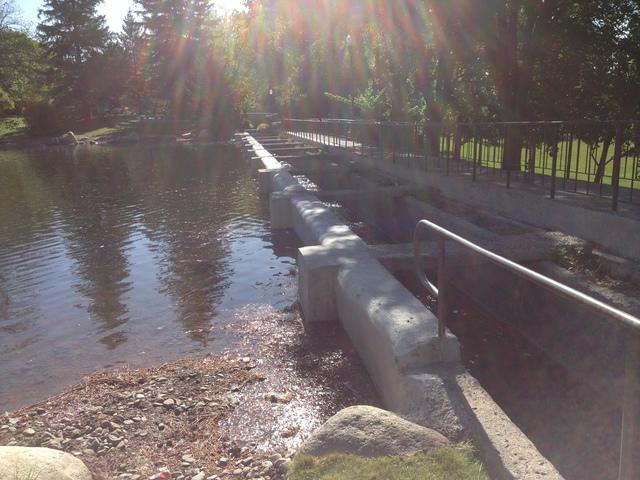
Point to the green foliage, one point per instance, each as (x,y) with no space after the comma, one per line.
(186,71)
(74,36)
(444,464)
(410,60)
(6,103)
(21,69)
(12,127)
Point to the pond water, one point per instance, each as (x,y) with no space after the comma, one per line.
(113,255)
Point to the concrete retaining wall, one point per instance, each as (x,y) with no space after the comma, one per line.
(415,372)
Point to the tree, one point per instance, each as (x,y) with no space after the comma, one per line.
(133,42)
(72,33)
(186,64)
(10,16)
(21,69)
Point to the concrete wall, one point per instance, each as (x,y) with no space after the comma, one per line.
(416,373)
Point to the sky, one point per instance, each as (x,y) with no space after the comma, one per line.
(114,10)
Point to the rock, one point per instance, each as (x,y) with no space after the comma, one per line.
(369,432)
(22,462)
(30,432)
(68,138)
(279,397)
(170,402)
(199,476)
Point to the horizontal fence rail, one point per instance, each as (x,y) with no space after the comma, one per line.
(587,157)
(629,467)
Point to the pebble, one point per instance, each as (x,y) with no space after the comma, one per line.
(188,458)
(222,462)
(169,402)
(29,431)
(199,476)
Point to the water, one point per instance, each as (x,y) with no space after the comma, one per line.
(113,255)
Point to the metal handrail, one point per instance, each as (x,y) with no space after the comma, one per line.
(550,151)
(630,442)
(453,123)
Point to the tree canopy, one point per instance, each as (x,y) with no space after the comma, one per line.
(414,60)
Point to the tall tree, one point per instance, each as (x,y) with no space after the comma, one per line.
(73,33)
(133,42)
(186,63)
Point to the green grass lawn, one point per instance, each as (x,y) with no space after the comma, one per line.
(12,128)
(103,126)
(576,161)
(453,463)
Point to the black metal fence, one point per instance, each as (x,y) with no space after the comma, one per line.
(588,157)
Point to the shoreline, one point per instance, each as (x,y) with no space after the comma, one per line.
(241,415)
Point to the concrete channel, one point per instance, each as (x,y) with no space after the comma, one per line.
(344,279)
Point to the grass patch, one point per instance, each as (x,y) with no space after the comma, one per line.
(16,129)
(12,128)
(103,126)
(450,463)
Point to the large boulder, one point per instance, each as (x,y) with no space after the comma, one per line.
(68,138)
(371,432)
(40,464)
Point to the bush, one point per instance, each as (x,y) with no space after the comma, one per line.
(43,118)
(6,103)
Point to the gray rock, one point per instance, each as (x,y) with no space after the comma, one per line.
(369,432)
(21,462)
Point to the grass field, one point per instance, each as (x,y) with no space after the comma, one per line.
(577,160)
(455,463)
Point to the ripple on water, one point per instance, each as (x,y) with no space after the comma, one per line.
(137,255)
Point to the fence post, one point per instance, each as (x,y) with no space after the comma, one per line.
(475,152)
(554,161)
(617,159)
(630,438)
(381,140)
(448,148)
(442,287)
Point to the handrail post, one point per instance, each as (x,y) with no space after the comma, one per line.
(615,175)
(442,288)
(630,438)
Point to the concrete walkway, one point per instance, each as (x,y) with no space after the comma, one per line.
(587,217)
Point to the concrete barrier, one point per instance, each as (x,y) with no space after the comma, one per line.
(415,372)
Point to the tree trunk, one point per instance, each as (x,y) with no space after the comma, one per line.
(597,179)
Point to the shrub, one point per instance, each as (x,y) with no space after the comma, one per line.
(6,103)
(43,118)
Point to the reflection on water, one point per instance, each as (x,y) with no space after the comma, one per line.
(125,255)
